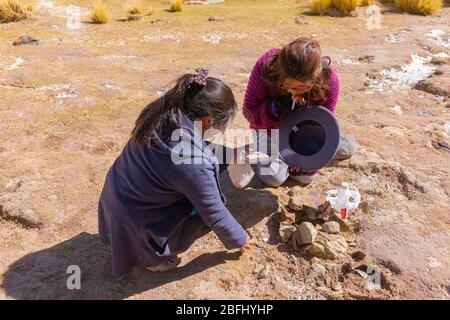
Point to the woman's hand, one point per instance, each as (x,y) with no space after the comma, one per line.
(248,244)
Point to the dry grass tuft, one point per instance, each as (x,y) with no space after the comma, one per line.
(422,7)
(346,6)
(133,12)
(12,11)
(319,6)
(99,14)
(176,5)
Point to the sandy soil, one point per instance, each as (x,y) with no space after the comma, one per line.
(67,107)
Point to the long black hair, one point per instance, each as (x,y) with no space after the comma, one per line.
(164,115)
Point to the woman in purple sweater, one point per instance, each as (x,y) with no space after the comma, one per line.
(298,74)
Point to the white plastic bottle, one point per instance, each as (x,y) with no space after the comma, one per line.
(343,199)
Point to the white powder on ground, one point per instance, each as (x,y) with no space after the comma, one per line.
(351,60)
(405,77)
(439,37)
(60,91)
(393,38)
(215,38)
(116,57)
(158,35)
(397,110)
(18,61)
(441,55)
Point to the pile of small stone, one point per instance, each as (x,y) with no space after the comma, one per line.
(316,228)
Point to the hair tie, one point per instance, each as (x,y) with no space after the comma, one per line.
(200,77)
(326,60)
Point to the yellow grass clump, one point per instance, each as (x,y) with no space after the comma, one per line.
(422,7)
(30,7)
(366,3)
(176,5)
(319,6)
(99,14)
(134,9)
(346,6)
(12,11)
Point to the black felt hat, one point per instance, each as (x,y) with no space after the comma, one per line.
(309,138)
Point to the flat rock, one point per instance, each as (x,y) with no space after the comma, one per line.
(310,203)
(358,255)
(317,270)
(26,218)
(439,84)
(26,39)
(336,248)
(216,18)
(317,250)
(301,20)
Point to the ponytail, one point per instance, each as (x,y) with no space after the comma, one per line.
(164,115)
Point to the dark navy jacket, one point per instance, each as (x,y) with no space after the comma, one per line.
(146,204)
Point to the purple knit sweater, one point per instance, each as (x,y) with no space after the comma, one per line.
(260,95)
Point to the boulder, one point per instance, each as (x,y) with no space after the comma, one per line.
(307,233)
(347,147)
(333,216)
(331,227)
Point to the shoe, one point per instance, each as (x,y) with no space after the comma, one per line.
(166,266)
(304,180)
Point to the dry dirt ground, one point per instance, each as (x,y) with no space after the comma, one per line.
(67,107)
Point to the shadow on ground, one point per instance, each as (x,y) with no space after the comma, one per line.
(42,274)
(251,204)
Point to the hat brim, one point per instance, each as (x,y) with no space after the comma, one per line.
(323,117)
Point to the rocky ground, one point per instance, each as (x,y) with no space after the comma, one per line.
(67,106)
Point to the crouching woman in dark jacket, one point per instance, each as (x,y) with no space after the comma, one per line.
(153,208)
